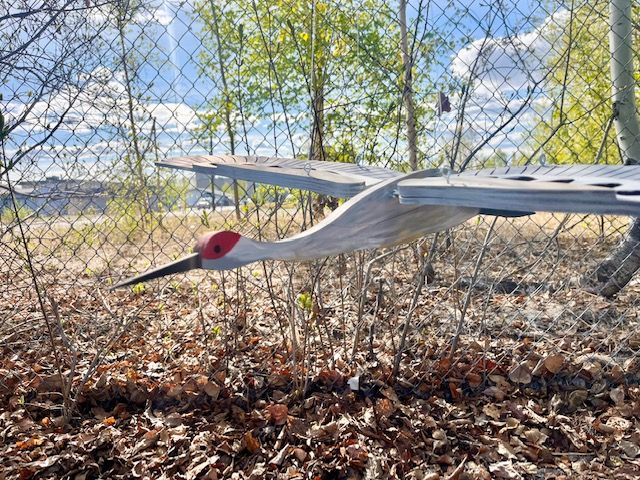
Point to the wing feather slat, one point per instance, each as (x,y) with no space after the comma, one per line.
(600,189)
(328,178)
(324,182)
(573,171)
(546,192)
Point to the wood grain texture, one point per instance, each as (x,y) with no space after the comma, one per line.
(328,178)
(598,189)
(619,195)
(557,172)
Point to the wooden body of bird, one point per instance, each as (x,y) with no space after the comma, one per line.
(387,208)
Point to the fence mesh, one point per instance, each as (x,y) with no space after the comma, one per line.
(488,329)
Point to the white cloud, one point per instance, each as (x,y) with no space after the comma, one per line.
(506,69)
(162,12)
(181,4)
(100,101)
(505,65)
(160,15)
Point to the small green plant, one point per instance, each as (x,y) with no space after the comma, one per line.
(83,236)
(304,301)
(204,219)
(8,214)
(138,289)
(216,331)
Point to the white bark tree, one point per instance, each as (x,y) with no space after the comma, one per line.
(620,267)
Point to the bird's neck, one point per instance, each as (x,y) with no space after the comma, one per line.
(293,248)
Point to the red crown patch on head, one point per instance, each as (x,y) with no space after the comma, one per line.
(217,245)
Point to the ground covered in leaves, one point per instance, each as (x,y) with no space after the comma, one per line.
(288,372)
(149,418)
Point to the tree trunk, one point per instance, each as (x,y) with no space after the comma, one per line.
(407,90)
(623,82)
(619,268)
(227,112)
(316,148)
(139,182)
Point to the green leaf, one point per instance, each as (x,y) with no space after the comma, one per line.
(305,301)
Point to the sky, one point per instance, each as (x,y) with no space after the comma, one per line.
(512,58)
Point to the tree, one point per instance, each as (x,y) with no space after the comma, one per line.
(45,63)
(579,129)
(47,55)
(332,70)
(122,93)
(580,85)
(132,198)
(618,269)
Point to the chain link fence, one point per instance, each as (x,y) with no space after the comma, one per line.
(95,91)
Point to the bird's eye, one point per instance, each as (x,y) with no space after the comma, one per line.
(216,245)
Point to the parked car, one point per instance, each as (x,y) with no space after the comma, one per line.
(221,201)
(203,203)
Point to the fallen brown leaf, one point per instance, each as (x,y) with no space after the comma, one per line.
(554,363)
(617,395)
(30,443)
(251,443)
(520,374)
(109,421)
(212,389)
(491,410)
(474,379)
(385,407)
(358,455)
(278,413)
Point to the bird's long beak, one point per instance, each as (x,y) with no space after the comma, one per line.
(186,263)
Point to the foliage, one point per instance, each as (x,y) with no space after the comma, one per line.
(263,194)
(305,301)
(138,289)
(582,108)
(139,193)
(337,62)
(138,203)
(8,214)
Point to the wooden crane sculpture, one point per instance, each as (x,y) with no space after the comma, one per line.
(387,208)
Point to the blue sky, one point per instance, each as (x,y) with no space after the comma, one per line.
(176,92)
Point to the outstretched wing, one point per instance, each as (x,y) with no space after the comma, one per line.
(599,189)
(328,178)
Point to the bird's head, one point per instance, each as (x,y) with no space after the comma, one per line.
(213,251)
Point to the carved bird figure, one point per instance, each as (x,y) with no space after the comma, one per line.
(387,208)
